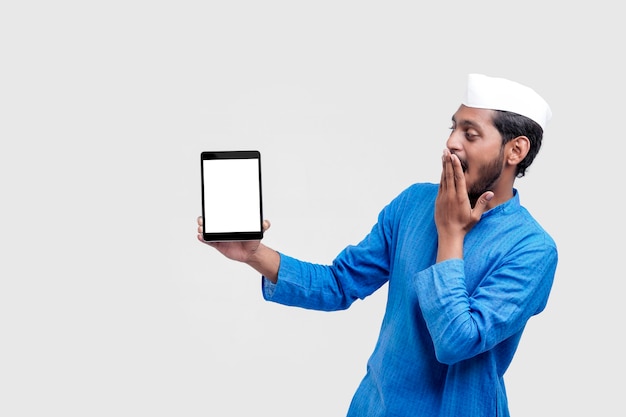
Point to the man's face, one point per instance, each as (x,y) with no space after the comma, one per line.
(478,144)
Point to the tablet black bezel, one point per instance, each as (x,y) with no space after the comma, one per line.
(229,236)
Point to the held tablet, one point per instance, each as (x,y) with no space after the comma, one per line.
(232,207)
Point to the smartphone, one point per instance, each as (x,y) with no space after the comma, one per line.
(232,203)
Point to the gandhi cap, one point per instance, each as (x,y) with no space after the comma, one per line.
(485,92)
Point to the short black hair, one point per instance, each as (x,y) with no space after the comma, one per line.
(511,125)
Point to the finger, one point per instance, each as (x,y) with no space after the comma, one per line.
(458,175)
(442,181)
(449,179)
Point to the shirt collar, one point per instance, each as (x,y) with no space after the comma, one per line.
(508,206)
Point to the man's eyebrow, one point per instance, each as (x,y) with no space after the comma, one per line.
(465,122)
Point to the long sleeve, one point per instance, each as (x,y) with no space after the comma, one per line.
(464,324)
(355,273)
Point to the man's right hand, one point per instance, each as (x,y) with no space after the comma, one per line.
(251,252)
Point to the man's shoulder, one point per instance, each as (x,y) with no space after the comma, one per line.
(417,194)
(421,189)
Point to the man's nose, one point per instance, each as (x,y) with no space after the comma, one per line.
(454,140)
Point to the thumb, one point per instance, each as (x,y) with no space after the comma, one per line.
(481,204)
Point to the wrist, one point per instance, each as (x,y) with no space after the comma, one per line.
(266,261)
(450,247)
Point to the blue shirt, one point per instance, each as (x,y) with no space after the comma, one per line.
(451,328)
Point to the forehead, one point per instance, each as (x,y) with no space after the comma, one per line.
(472,116)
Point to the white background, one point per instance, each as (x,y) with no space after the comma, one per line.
(106,106)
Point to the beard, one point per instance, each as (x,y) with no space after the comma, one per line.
(487,177)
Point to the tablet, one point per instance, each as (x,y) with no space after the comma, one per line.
(232,207)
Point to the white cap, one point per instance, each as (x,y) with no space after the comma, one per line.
(485,92)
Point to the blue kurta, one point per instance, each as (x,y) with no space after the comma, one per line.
(450,329)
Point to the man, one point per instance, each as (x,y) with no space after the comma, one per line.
(466,264)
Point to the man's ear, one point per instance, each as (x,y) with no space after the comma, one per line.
(517,150)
